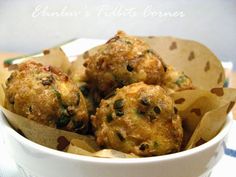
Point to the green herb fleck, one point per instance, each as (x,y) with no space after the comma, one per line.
(128,42)
(130,68)
(176,110)
(180,80)
(119,112)
(144,101)
(78,99)
(85,90)
(226,82)
(143,147)
(30,109)
(58,95)
(120,136)
(119,104)
(157,110)
(109,118)
(62,121)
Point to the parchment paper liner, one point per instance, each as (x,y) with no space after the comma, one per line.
(203,111)
(195,59)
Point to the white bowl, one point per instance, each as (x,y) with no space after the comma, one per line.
(39,161)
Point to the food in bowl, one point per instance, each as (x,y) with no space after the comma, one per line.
(139,119)
(172,97)
(123,60)
(46,95)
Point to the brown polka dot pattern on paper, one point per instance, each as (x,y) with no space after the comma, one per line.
(219,80)
(200,142)
(179,101)
(218,91)
(173,46)
(231,105)
(191,56)
(62,143)
(46,52)
(86,55)
(207,67)
(197,111)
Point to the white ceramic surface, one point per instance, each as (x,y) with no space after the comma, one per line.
(38,161)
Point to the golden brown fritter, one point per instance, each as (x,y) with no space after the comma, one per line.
(88,96)
(121,61)
(46,95)
(139,119)
(176,81)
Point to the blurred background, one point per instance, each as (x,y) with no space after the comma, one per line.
(29,26)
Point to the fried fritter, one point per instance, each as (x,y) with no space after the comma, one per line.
(123,60)
(139,119)
(176,81)
(88,96)
(46,95)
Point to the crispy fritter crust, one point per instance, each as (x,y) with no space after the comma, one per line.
(139,119)
(176,81)
(46,95)
(121,61)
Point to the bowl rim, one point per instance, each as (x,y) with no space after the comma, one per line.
(75,157)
